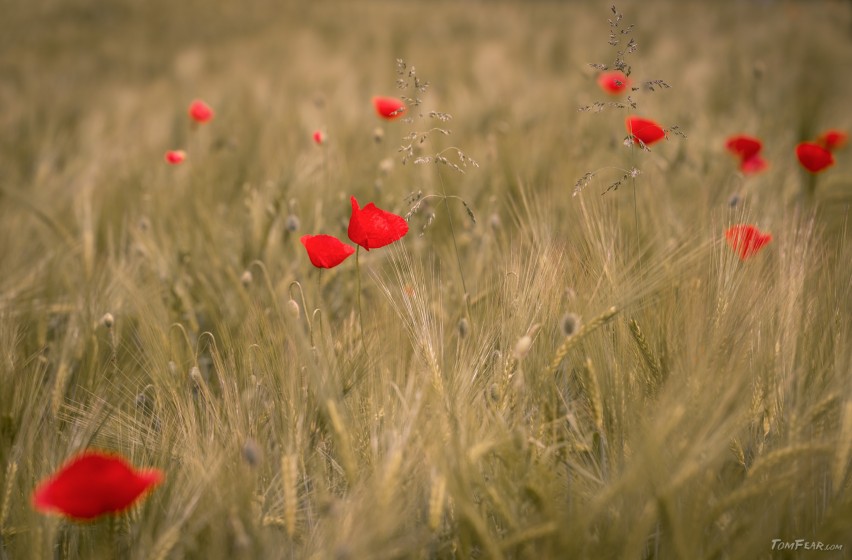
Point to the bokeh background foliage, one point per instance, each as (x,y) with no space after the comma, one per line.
(702,411)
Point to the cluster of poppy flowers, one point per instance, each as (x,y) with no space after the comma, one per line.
(95,483)
(814,156)
(745,239)
(369,227)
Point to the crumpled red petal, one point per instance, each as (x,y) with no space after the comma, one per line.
(371,227)
(814,157)
(746,240)
(389,108)
(94,484)
(744,146)
(326,251)
(645,130)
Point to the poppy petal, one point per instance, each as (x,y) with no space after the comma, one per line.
(319,137)
(93,484)
(326,251)
(744,146)
(753,164)
(832,139)
(613,82)
(371,227)
(175,157)
(389,108)
(814,157)
(645,130)
(746,240)
(200,111)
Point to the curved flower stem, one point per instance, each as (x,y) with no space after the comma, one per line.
(304,306)
(466,297)
(360,313)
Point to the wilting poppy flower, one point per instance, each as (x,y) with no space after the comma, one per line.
(814,157)
(326,251)
(613,82)
(389,108)
(753,164)
(832,139)
(743,146)
(200,111)
(93,484)
(319,137)
(371,227)
(175,156)
(746,240)
(645,130)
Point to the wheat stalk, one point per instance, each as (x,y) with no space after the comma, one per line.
(574,339)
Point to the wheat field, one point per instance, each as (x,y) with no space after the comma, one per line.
(563,358)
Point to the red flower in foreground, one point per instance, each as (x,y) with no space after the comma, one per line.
(326,251)
(814,157)
(746,240)
(832,139)
(743,146)
(371,227)
(613,82)
(753,164)
(175,156)
(389,108)
(644,130)
(319,137)
(200,111)
(93,484)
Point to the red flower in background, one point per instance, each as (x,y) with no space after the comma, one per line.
(200,111)
(371,227)
(319,137)
(94,484)
(644,130)
(746,240)
(389,108)
(832,139)
(613,82)
(753,164)
(747,149)
(326,251)
(175,157)
(814,157)
(744,146)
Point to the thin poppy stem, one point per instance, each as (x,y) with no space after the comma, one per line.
(360,313)
(466,297)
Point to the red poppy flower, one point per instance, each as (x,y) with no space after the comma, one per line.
(613,82)
(746,240)
(326,251)
(94,484)
(832,139)
(371,227)
(743,146)
(200,111)
(389,108)
(645,130)
(175,156)
(814,157)
(319,137)
(753,164)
